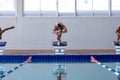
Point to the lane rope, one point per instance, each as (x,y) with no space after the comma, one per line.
(105,66)
(17,67)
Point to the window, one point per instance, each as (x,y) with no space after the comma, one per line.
(100,5)
(39,7)
(48,5)
(100,8)
(115,4)
(70,7)
(84,7)
(66,7)
(31,5)
(7,7)
(92,7)
(115,7)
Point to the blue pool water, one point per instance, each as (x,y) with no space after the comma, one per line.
(75,67)
(75,71)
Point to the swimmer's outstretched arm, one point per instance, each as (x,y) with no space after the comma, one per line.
(8,29)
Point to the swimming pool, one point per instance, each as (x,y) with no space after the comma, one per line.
(72,67)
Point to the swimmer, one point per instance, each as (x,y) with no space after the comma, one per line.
(58,29)
(118,33)
(5,29)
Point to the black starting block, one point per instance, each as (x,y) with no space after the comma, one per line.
(59,49)
(2,44)
(116,43)
(63,43)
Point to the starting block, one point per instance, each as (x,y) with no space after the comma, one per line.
(117,46)
(59,49)
(2,45)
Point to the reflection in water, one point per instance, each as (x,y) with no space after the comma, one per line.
(1,70)
(118,69)
(117,49)
(60,71)
(69,71)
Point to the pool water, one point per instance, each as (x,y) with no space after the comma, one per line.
(46,71)
(59,67)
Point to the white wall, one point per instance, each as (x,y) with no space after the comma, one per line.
(36,32)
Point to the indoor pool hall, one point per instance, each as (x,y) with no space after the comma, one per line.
(59,39)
